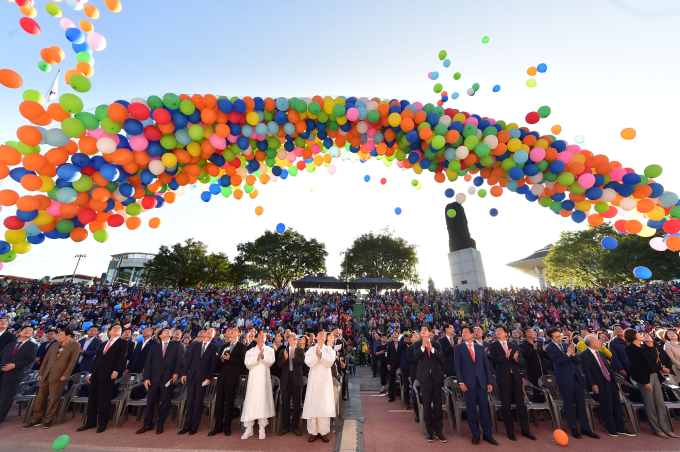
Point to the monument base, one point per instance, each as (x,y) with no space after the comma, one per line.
(467,270)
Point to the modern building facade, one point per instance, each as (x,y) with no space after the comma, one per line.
(533,265)
(127,268)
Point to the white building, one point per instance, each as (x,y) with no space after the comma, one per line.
(127,268)
(533,265)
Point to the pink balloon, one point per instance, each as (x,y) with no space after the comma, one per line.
(115,138)
(352,114)
(138,142)
(54,208)
(586,180)
(95,133)
(537,154)
(66,23)
(96,41)
(370,146)
(298,151)
(617,174)
(418,105)
(573,149)
(331,170)
(658,244)
(471,120)
(218,142)
(565,157)
(315,148)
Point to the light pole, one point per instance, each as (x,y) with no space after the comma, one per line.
(77,256)
(346,253)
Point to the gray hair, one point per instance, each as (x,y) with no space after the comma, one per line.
(589,339)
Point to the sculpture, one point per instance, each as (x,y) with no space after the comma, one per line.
(459,234)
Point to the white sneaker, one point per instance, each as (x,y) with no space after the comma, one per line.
(248,433)
(263,435)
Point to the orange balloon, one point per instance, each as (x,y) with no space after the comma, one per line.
(117,112)
(114,5)
(673,243)
(31,110)
(561,437)
(57,156)
(45,120)
(86,26)
(9,197)
(532,70)
(133,223)
(632,226)
(259,210)
(595,219)
(556,129)
(57,113)
(31,182)
(628,133)
(85,68)
(50,56)
(496,191)
(78,234)
(28,203)
(34,162)
(154,223)
(91,11)
(59,51)
(10,79)
(29,135)
(70,73)
(9,155)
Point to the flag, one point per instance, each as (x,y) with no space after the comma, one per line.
(54,91)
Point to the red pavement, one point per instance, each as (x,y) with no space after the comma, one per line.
(13,438)
(390,427)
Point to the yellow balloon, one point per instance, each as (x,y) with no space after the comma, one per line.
(194,149)
(583,206)
(169,160)
(15,236)
(48,184)
(252,118)
(646,231)
(656,214)
(22,247)
(43,218)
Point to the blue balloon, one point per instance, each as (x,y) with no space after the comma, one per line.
(496,88)
(140,338)
(68,172)
(110,171)
(280,228)
(367,178)
(205,196)
(542,68)
(609,243)
(87,325)
(4,247)
(642,272)
(397,210)
(117,307)
(493,212)
(449,193)
(75,36)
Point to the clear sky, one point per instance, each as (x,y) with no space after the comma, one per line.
(611,64)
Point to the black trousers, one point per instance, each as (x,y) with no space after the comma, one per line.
(432,395)
(158,393)
(513,393)
(415,400)
(294,393)
(406,385)
(9,382)
(345,382)
(537,396)
(391,388)
(226,394)
(610,407)
(99,403)
(194,403)
(383,373)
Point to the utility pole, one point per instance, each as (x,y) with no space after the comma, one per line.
(77,256)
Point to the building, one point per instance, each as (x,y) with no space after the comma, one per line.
(533,265)
(127,268)
(76,279)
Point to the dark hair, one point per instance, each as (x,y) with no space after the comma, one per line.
(550,331)
(426,327)
(630,334)
(68,331)
(447,325)
(615,325)
(503,328)
(527,328)
(93,326)
(469,328)
(163,329)
(665,335)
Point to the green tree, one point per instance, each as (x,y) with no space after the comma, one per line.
(277,259)
(382,254)
(579,259)
(187,265)
(430,282)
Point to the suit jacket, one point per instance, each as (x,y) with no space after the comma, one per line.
(411,358)
(593,371)
(89,354)
(298,363)
(230,369)
(63,365)
(507,369)
(566,367)
(105,364)
(393,355)
(6,338)
(404,363)
(42,351)
(22,360)
(469,371)
(159,368)
(448,350)
(138,358)
(200,367)
(128,357)
(428,366)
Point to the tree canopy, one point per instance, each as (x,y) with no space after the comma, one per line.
(277,259)
(578,258)
(382,254)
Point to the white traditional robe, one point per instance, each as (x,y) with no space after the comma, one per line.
(320,398)
(259,401)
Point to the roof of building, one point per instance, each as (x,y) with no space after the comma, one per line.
(77,276)
(535,259)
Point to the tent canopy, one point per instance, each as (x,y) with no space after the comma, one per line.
(319,282)
(372,283)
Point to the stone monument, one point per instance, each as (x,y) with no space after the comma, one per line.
(465,261)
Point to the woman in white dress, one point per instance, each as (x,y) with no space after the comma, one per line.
(319,405)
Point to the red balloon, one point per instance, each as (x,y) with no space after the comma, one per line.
(23,3)
(88,170)
(234,116)
(162,116)
(620,226)
(139,111)
(672,226)
(87,215)
(383,181)
(153,133)
(533,117)
(116,220)
(13,223)
(149,202)
(611,213)
(30,26)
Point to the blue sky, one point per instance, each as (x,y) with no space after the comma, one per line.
(611,64)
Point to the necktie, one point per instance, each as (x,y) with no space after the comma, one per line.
(428,352)
(203,349)
(472,352)
(16,347)
(290,358)
(451,340)
(603,366)
(165,347)
(505,346)
(108,344)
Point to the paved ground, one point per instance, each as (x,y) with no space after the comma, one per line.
(366,381)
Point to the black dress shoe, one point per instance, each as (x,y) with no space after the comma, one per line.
(475,440)
(183,431)
(430,438)
(144,429)
(84,427)
(529,435)
(490,440)
(442,438)
(213,432)
(417,419)
(407,406)
(297,432)
(193,431)
(576,434)
(345,398)
(283,431)
(159,430)
(512,437)
(591,434)
(101,429)
(227,433)
(390,400)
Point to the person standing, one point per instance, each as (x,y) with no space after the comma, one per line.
(405,366)
(617,347)
(291,361)
(43,348)
(55,369)
(110,358)
(259,401)
(392,359)
(534,355)
(230,361)
(448,346)
(320,397)
(431,378)
(15,360)
(474,375)
(197,373)
(381,356)
(508,360)
(6,337)
(88,351)
(570,381)
(601,381)
(161,370)
(138,359)
(410,357)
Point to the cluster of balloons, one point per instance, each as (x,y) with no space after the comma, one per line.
(541,68)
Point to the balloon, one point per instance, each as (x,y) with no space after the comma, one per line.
(493,212)
(367,178)
(609,243)
(10,79)
(496,88)
(456,76)
(280,228)
(485,40)
(451,213)
(397,210)
(642,272)
(449,193)
(531,83)
(29,25)
(259,210)
(628,133)
(62,441)
(96,41)
(561,437)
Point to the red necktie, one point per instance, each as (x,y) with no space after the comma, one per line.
(165,347)
(428,352)
(16,347)
(604,367)
(472,352)
(108,344)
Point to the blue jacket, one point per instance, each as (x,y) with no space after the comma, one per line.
(619,358)
(448,351)
(469,371)
(404,363)
(566,367)
(90,353)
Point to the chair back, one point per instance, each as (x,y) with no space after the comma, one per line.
(180,393)
(456,393)
(241,388)
(399,375)
(448,384)
(276,383)
(495,394)
(548,382)
(212,389)
(303,391)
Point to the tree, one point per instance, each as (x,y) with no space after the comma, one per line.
(277,259)
(187,265)
(430,283)
(383,254)
(578,258)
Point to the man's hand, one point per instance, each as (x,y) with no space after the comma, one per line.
(261,355)
(460,339)
(571,350)
(89,377)
(535,345)
(665,370)
(114,375)
(226,356)
(207,382)
(184,380)
(648,386)
(489,388)
(623,373)
(596,390)
(516,356)
(507,354)
(389,367)
(146,384)
(8,366)
(544,346)
(63,379)
(36,360)
(285,354)
(174,377)
(463,387)
(38,378)
(127,371)
(342,364)
(82,350)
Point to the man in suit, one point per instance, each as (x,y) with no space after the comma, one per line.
(138,359)
(340,346)
(474,375)
(15,360)
(405,367)
(43,348)
(291,362)
(197,373)
(6,337)
(479,339)
(109,360)
(570,381)
(161,371)
(601,381)
(448,345)
(410,357)
(55,369)
(89,346)
(393,362)
(431,377)
(230,362)
(127,336)
(509,361)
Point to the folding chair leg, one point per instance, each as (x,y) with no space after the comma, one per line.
(459,424)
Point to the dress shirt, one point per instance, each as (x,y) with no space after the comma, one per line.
(85,345)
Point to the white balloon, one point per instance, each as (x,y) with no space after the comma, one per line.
(462,152)
(362,127)
(312,187)
(550,185)
(537,189)
(536,106)
(156,167)
(118,197)
(181,191)
(628,204)
(608,195)
(460,198)
(491,141)
(106,145)
(470,91)
(139,100)
(331,169)
(537,178)
(472,190)
(658,244)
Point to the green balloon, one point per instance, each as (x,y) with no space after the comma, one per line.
(133,209)
(71,103)
(544,111)
(65,226)
(53,193)
(84,57)
(438,142)
(482,150)
(72,127)
(187,107)
(89,120)
(101,112)
(196,132)
(35,96)
(414,182)
(566,179)
(80,83)
(101,235)
(44,66)
(9,256)
(53,10)
(675,212)
(108,125)
(531,82)
(154,102)
(171,101)
(438,88)
(601,207)
(482,193)
(451,213)
(226,192)
(475,87)
(485,39)
(62,441)
(25,149)
(456,76)
(442,54)
(653,171)
(545,201)
(555,206)
(314,107)
(83,184)
(169,142)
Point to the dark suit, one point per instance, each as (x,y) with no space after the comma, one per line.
(447,350)
(509,379)
(431,377)
(9,380)
(341,355)
(570,381)
(85,364)
(42,352)
(410,357)
(6,338)
(137,361)
(476,374)
(101,383)
(393,361)
(608,390)
(227,382)
(199,366)
(405,366)
(291,385)
(159,369)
